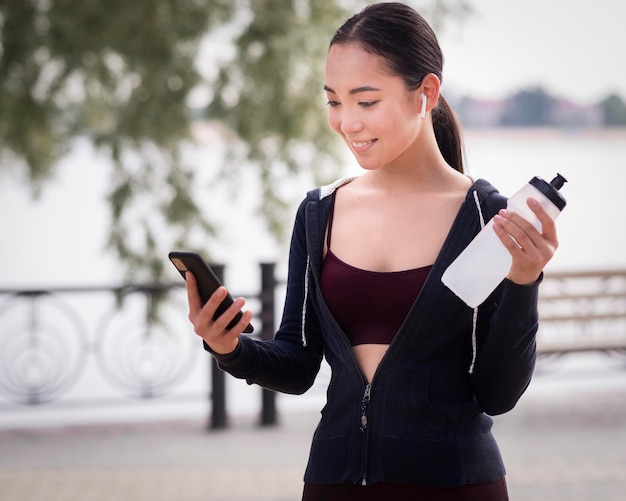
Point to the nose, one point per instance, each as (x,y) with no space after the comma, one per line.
(351,128)
(350,122)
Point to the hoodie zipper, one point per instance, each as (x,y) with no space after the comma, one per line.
(364,404)
(367,394)
(364,418)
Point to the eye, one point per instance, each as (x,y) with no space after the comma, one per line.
(332,104)
(367,104)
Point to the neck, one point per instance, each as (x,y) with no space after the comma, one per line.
(422,168)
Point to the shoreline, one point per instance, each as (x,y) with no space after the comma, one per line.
(546,133)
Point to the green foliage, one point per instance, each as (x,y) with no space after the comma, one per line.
(270,96)
(118,73)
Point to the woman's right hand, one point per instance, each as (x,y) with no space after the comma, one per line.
(215,332)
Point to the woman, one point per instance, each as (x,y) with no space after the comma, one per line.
(415,372)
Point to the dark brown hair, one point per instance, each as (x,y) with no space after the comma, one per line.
(410,48)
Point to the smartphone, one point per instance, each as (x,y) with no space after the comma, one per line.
(207,282)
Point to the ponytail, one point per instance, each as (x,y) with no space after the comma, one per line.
(448,134)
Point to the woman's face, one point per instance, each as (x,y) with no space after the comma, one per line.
(371,109)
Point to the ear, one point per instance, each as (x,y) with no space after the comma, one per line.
(431,87)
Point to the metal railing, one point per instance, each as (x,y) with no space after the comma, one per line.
(50,339)
(582,311)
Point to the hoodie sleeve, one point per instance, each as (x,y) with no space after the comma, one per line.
(290,362)
(507,347)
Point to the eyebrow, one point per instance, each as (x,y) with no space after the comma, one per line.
(364,88)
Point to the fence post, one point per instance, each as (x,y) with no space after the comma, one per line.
(219,416)
(268,289)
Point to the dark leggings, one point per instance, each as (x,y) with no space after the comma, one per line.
(494,491)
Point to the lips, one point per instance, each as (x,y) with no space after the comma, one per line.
(357,145)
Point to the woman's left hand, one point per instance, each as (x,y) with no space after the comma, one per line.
(535,248)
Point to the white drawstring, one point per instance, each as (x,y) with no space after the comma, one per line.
(306,297)
(474,322)
(480,212)
(475,316)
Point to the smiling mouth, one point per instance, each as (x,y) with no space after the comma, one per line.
(362,144)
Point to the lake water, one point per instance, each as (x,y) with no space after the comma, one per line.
(59,240)
(592,233)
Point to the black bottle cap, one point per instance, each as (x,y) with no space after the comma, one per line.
(551,189)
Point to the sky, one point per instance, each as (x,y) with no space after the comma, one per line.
(573,49)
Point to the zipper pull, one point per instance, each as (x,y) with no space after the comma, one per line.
(364,403)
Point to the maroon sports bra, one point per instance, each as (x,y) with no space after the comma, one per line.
(369,306)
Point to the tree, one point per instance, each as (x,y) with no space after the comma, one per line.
(530,107)
(121,74)
(269,97)
(118,73)
(613,110)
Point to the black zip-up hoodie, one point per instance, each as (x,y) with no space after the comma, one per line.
(424,418)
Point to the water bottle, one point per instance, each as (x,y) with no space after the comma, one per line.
(484,263)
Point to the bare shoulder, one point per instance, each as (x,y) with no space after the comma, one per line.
(357,191)
(460,183)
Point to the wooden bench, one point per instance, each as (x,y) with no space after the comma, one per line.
(582,311)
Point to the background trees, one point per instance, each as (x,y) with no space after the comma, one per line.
(532,107)
(118,73)
(613,110)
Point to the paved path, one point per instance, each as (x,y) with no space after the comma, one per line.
(563,442)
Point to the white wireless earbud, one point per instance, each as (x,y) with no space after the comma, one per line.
(424,101)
